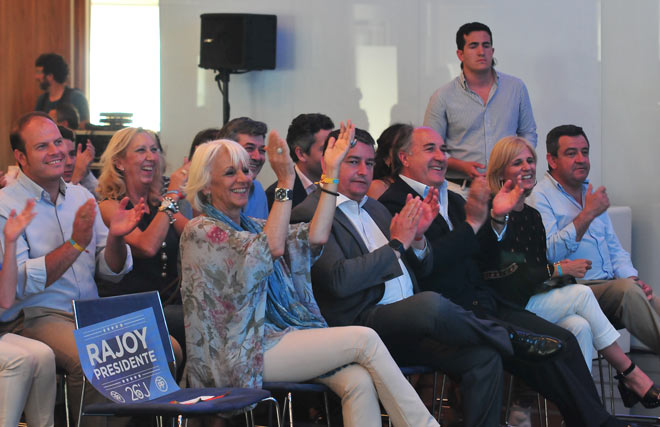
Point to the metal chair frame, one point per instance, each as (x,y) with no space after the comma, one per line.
(288,400)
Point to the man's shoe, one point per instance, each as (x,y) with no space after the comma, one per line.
(534,346)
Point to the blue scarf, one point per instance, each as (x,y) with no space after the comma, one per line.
(282,307)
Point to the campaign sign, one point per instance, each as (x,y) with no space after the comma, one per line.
(124,359)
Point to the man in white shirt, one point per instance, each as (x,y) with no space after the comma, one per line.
(578,227)
(367,276)
(59,253)
(452,235)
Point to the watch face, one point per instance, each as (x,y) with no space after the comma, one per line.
(282,194)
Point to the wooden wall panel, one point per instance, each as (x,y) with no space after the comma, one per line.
(29,28)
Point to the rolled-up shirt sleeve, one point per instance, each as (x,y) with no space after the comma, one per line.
(619,257)
(31,272)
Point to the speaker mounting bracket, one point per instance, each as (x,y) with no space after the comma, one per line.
(222,79)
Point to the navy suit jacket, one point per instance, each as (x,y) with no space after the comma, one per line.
(348,279)
(456,273)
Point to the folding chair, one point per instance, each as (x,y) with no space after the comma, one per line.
(91,312)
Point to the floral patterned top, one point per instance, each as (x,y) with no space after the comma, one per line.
(224,287)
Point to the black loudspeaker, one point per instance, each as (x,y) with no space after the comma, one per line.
(238,41)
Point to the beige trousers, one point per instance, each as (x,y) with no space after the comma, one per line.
(306,354)
(625,305)
(27,382)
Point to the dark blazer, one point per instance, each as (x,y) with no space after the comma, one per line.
(299,193)
(455,274)
(347,278)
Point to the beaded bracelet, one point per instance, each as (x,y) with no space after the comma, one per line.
(558,267)
(76,245)
(326,180)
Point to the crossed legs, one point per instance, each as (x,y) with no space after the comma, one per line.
(307,354)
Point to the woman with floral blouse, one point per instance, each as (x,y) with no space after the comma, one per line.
(249,309)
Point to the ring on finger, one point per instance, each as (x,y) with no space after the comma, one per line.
(279,150)
(353,142)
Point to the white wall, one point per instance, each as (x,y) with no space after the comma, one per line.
(378,61)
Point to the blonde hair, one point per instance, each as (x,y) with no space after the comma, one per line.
(503,153)
(199,175)
(111,181)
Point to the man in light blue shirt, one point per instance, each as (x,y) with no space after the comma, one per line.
(578,227)
(61,250)
(478,108)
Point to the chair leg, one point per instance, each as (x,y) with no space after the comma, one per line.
(327,409)
(288,401)
(66,400)
(435,393)
(508,401)
(82,397)
(538,399)
(545,404)
(611,389)
(274,403)
(442,396)
(602,380)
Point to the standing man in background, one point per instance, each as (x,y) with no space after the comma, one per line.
(480,106)
(51,73)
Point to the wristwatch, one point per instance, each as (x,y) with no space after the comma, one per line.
(283,194)
(397,246)
(168,204)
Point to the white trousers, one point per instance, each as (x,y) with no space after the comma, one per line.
(27,380)
(305,354)
(574,307)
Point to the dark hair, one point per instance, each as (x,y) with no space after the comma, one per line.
(15,138)
(467,29)
(302,130)
(384,151)
(401,142)
(360,135)
(206,135)
(66,111)
(67,133)
(552,140)
(54,64)
(244,126)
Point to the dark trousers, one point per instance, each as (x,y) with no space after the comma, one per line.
(564,379)
(428,329)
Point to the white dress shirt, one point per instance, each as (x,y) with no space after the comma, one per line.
(395,289)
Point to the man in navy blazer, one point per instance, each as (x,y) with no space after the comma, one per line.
(420,162)
(366,276)
(305,137)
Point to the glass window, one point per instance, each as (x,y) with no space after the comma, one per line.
(124,66)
